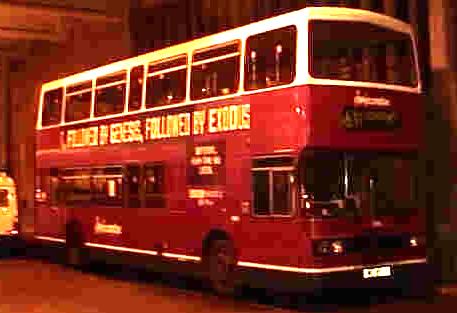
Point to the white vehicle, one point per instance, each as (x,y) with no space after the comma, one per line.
(8,206)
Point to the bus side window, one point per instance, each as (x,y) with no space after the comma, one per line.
(78,99)
(132,188)
(75,187)
(273,186)
(215,71)
(166,82)
(154,187)
(136,88)
(55,192)
(107,186)
(261,192)
(270,58)
(110,94)
(52,107)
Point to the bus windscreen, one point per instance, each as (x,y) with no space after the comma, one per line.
(360,51)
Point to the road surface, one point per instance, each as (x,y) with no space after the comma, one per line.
(40,286)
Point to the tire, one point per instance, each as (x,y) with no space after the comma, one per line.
(221,263)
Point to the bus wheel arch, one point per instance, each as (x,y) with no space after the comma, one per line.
(219,260)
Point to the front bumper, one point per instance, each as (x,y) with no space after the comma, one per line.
(402,273)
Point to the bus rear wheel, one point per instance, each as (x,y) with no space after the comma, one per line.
(221,264)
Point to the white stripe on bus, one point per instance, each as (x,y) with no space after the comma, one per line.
(182,257)
(328,269)
(53,239)
(119,248)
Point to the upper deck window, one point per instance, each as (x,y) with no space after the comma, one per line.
(270,58)
(359,51)
(166,82)
(136,88)
(215,71)
(78,100)
(52,107)
(110,94)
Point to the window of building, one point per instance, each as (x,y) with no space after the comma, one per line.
(78,100)
(52,107)
(136,88)
(215,71)
(110,94)
(166,82)
(270,58)
(273,191)
(154,196)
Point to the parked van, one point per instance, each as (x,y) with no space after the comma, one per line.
(8,207)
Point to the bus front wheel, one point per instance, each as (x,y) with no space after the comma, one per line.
(221,264)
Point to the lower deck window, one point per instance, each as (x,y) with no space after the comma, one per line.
(273,192)
(131,186)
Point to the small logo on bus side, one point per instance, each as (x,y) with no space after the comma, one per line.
(100,227)
(364,100)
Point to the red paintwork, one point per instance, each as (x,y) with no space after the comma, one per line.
(275,125)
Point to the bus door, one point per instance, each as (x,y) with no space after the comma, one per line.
(272,233)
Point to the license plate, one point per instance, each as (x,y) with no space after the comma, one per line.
(383,271)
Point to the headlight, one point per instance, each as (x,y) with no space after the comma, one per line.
(329,247)
(417,241)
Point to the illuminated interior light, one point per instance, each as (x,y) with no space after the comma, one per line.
(234,218)
(253,54)
(297,110)
(413,242)
(170,97)
(307,205)
(291,179)
(278,49)
(225,91)
(14,232)
(111,188)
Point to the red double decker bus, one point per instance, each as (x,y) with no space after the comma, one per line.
(287,148)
